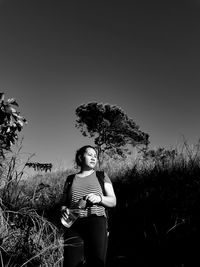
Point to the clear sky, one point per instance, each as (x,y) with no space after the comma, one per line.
(143,56)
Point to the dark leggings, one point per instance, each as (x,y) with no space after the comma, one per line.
(87,241)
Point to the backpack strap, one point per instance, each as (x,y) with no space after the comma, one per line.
(69,180)
(67,187)
(65,199)
(101,176)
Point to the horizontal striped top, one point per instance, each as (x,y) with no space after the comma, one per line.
(83,186)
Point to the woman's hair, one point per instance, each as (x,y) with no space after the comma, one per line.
(80,154)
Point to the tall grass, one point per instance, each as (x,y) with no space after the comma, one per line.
(28,239)
(160,198)
(155,194)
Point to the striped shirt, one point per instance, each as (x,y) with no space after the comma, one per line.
(83,186)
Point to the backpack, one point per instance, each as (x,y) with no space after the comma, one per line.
(100,175)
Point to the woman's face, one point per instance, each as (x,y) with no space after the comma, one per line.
(90,158)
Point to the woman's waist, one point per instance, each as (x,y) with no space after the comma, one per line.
(92,211)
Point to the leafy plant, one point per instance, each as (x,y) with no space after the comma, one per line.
(11,123)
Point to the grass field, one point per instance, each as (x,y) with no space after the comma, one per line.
(158,201)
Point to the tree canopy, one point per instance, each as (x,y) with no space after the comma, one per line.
(110,126)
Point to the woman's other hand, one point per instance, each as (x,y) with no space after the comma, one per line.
(93,198)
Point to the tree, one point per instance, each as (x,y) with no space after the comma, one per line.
(11,123)
(110,127)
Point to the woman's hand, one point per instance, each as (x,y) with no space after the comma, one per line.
(109,200)
(63,208)
(93,198)
(65,212)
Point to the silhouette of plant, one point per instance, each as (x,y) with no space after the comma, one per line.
(11,123)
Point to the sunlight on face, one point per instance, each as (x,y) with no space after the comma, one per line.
(90,157)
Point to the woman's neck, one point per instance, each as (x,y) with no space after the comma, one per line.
(85,171)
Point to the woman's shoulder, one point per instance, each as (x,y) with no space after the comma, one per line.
(70,177)
(102,174)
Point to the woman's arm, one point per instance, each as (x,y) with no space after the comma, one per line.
(108,200)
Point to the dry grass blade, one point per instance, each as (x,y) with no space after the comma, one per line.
(31,239)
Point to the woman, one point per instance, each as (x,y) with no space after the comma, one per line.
(91,226)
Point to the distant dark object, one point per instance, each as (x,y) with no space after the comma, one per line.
(39,166)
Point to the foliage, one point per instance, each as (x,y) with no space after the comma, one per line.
(12,177)
(117,166)
(158,202)
(110,127)
(28,239)
(159,157)
(11,123)
(160,205)
(40,166)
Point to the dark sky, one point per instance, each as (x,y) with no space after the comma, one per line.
(143,56)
